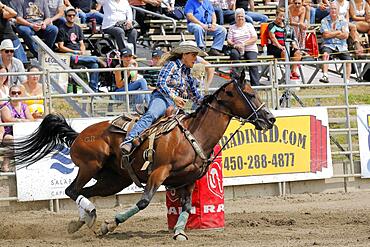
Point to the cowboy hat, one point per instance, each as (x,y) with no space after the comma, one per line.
(187,47)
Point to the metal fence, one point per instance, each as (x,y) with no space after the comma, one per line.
(277,95)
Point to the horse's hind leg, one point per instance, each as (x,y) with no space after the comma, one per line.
(155,180)
(86,208)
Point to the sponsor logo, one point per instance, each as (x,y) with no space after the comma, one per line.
(214,179)
(62,161)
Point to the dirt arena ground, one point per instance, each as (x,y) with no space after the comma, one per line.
(299,220)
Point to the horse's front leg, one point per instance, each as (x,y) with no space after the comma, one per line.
(155,180)
(185,199)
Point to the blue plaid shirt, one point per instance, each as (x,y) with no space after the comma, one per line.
(328,25)
(175,80)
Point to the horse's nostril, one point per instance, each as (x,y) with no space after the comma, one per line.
(272,120)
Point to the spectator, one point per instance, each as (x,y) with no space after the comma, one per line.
(334,40)
(6,31)
(34,18)
(86,12)
(11,63)
(151,76)
(32,87)
(276,45)
(297,14)
(343,13)
(135,81)
(319,11)
(13,111)
(71,39)
(224,10)
(4,85)
(56,9)
(202,20)
(251,15)
(242,37)
(140,17)
(359,11)
(118,22)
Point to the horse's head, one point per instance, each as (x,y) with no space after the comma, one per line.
(242,101)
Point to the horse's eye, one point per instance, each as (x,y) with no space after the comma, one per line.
(229,93)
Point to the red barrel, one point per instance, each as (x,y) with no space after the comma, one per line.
(207,200)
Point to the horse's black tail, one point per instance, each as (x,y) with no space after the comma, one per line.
(50,135)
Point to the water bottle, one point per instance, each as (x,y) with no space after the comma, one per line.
(264,50)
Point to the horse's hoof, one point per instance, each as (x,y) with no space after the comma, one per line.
(74,226)
(90,218)
(180,236)
(108,226)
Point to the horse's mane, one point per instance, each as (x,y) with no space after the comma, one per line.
(207,100)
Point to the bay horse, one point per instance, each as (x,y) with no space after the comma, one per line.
(176,162)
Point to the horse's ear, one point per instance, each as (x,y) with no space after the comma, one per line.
(241,79)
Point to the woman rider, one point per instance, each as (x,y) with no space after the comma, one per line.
(173,85)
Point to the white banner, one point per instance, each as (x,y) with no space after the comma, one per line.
(49,177)
(363,123)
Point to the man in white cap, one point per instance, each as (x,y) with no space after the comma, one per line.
(11,63)
(174,85)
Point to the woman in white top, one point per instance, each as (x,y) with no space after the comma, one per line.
(359,12)
(343,9)
(242,37)
(118,22)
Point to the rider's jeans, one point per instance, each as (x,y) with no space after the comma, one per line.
(157,108)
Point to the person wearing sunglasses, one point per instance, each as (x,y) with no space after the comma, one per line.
(10,62)
(13,111)
(33,87)
(6,31)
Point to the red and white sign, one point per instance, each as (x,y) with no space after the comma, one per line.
(207,200)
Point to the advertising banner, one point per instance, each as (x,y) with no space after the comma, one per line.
(207,200)
(296,148)
(363,123)
(49,177)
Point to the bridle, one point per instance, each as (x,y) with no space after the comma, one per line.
(242,120)
(254,109)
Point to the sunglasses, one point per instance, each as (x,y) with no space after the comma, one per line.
(9,51)
(71,15)
(297,3)
(16,92)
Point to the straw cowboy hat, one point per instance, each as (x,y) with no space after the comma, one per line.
(184,47)
(187,47)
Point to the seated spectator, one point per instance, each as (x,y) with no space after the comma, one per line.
(297,14)
(118,22)
(343,13)
(56,9)
(201,19)
(276,45)
(224,10)
(10,62)
(140,17)
(151,76)
(6,31)
(168,8)
(86,12)
(135,81)
(34,19)
(242,37)
(359,12)
(334,40)
(13,111)
(71,39)
(318,11)
(251,15)
(4,85)
(32,87)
